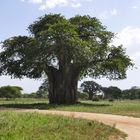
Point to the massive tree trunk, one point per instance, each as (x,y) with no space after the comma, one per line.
(62,86)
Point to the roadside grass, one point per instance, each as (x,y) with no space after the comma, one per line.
(124,107)
(34,126)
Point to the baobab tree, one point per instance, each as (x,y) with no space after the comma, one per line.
(64,50)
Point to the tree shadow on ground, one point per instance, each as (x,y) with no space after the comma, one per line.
(28,106)
(48,106)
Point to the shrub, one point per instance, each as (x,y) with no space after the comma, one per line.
(95,99)
(82,95)
(111,100)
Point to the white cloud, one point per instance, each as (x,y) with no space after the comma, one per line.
(76,5)
(113,12)
(35,1)
(42,7)
(129,37)
(136,56)
(49,4)
(135,7)
(104,15)
(53,3)
(89,0)
(107,14)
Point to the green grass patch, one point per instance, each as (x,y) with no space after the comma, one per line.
(126,107)
(34,126)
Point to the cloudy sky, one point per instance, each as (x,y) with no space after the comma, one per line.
(120,16)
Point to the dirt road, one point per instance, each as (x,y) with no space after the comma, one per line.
(129,125)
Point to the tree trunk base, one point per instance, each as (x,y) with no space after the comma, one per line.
(62,88)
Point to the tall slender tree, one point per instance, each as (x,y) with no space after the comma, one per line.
(65,50)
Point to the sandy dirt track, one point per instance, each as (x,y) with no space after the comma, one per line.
(129,125)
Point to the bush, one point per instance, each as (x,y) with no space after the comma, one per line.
(111,100)
(95,99)
(29,95)
(42,94)
(38,94)
(82,95)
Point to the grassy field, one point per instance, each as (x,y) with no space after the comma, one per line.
(33,126)
(127,107)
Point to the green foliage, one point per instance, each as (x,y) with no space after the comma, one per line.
(81,43)
(43,90)
(95,99)
(38,94)
(111,100)
(10,92)
(82,96)
(65,50)
(44,86)
(112,92)
(91,88)
(29,95)
(42,94)
(133,93)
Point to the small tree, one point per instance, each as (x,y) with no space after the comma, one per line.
(82,95)
(43,90)
(44,86)
(91,88)
(10,92)
(64,50)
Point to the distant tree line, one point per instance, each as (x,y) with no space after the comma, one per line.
(93,90)
(42,91)
(89,90)
(133,93)
(9,92)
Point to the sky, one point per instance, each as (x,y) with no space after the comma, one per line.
(119,16)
